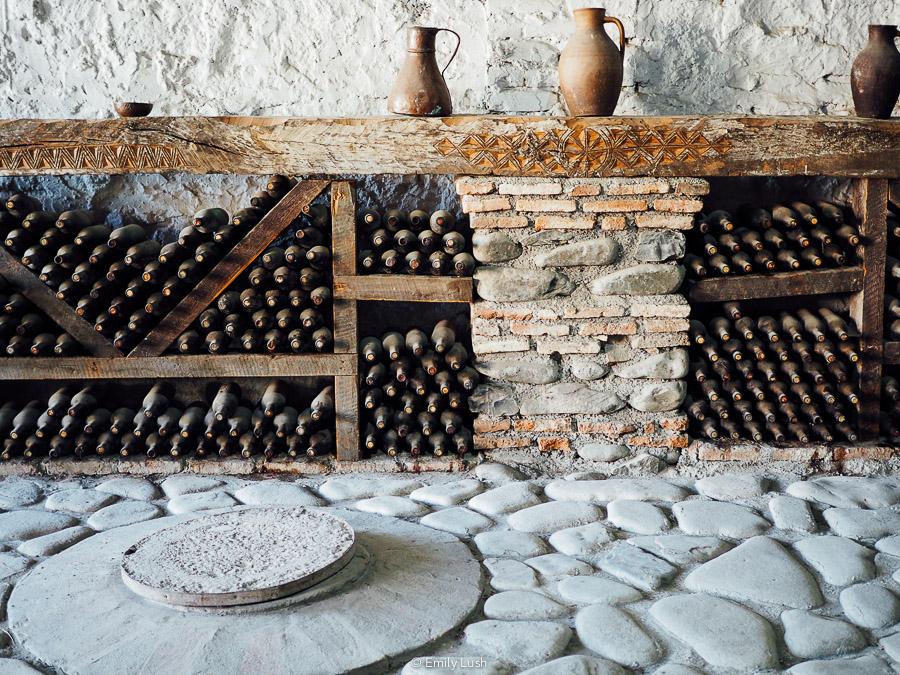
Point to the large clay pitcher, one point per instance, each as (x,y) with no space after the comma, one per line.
(420,88)
(875,76)
(590,66)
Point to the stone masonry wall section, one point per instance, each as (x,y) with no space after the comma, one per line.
(579,327)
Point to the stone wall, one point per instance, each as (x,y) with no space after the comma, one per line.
(579,327)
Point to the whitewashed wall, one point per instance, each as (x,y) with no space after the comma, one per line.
(73,58)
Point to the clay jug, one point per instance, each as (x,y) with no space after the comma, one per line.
(590,66)
(420,89)
(875,77)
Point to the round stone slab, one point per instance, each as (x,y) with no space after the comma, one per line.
(238,558)
(420,585)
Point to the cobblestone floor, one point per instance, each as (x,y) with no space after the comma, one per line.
(719,575)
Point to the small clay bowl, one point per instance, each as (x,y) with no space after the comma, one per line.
(133,109)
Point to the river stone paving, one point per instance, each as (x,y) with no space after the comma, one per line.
(759,570)
(578,574)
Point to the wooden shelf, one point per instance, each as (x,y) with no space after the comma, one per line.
(404,287)
(177,367)
(695,145)
(43,297)
(892,353)
(785,284)
(228,268)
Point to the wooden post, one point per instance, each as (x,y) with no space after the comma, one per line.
(346,387)
(26,283)
(870,196)
(229,268)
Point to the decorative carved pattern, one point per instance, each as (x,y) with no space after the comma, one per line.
(583,152)
(91,157)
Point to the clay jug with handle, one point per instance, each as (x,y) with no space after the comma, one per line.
(420,88)
(590,65)
(875,76)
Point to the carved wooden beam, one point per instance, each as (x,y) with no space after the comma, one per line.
(487,145)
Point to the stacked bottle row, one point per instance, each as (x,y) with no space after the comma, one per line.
(122,280)
(26,331)
(84,421)
(892,276)
(890,406)
(790,377)
(785,238)
(282,303)
(414,243)
(415,392)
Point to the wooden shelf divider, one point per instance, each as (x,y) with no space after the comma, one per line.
(35,290)
(175,367)
(870,198)
(403,287)
(782,285)
(346,325)
(227,270)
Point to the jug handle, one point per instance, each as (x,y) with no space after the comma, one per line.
(458,42)
(612,19)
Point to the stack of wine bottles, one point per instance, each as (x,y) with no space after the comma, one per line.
(281,304)
(890,407)
(784,238)
(892,276)
(790,377)
(120,279)
(78,422)
(415,392)
(26,331)
(414,243)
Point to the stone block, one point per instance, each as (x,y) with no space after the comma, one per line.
(643,279)
(658,397)
(600,251)
(661,246)
(668,365)
(505,284)
(523,370)
(494,399)
(588,369)
(493,247)
(570,398)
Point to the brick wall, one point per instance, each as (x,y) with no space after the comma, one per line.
(579,327)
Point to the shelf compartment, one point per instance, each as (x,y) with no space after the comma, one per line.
(404,288)
(228,269)
(43,297)
(786,284)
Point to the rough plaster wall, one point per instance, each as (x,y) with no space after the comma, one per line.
(70,58)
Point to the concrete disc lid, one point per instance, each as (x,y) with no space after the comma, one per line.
(238,558)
